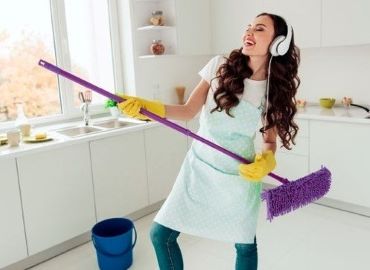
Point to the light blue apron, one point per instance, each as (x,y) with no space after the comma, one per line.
(209,198)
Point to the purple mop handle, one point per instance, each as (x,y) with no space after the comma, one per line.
(164,121)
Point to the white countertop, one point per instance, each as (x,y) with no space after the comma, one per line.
(336,114)
(60,140)
(310,112)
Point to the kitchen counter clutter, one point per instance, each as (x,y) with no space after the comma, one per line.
(58,135)
(336,114)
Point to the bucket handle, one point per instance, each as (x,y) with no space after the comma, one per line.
(114,255)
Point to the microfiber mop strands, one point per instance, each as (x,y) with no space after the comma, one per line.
(298,193)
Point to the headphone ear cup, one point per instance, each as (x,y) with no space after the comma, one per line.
(275,44)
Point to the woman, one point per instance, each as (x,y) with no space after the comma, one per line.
(214,196)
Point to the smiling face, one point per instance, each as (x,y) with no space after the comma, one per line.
(258,36)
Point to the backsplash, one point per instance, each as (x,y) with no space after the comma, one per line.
(335,72)
(325,72)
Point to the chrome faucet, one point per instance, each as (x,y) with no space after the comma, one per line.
(86,98)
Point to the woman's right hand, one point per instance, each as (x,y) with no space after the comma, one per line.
(132,106)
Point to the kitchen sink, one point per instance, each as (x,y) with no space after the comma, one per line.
(78,131)
(114,123)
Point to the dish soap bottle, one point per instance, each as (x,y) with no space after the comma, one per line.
(21,121)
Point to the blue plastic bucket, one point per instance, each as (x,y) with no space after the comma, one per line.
(112,239)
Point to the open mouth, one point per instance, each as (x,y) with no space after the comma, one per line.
(249,43)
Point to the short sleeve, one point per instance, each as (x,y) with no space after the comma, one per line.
(208,72)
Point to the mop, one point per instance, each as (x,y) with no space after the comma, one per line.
(279,201)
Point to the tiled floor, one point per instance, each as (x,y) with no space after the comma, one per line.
(314,237)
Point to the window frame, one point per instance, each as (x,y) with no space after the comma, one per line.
(62,56)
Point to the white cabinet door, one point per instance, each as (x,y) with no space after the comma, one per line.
(12,240)
(291,164)
(119,173)
(304,16)
(165,152)
(229,19)
(193,27)
(57,195)
(345,22)
(344,149)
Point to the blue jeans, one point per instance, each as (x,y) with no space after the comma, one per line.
(169,254)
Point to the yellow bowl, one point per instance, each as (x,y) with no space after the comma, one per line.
(327,103)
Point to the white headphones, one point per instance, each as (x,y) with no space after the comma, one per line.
(280,45)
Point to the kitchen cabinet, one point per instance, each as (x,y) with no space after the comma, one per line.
(229,19)
(291,164)
(227,34)
(345,22)
(307,32)
(57,195)
(344,149)
(193,27)
(12,241)
(119,173)
(165,150)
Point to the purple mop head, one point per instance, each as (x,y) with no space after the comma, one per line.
(298,193)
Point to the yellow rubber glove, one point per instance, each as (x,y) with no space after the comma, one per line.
(263,164)
(132,105)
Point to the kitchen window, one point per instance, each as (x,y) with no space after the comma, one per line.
(73,34)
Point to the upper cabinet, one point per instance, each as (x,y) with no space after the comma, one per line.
(193,27)
(229,20)
(345,22)
(216,27)
(304,16)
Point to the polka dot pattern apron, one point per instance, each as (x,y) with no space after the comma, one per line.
(209,199)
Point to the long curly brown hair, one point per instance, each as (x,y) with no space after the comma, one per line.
(284,82)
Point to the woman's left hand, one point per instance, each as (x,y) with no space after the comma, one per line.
(263,164)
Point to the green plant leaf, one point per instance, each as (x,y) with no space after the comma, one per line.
(110,103)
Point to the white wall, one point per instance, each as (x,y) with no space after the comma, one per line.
(167,72)
(324,72)
(335,72)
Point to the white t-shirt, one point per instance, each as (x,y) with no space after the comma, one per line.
(254,91)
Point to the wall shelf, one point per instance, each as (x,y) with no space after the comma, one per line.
(154,27)
(152,56)
(145,33)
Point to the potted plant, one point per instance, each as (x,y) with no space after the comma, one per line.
(112,105)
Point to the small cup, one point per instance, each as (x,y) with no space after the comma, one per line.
(25,130)
(14,137)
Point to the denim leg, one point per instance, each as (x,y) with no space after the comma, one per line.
(246,256)
(166,247)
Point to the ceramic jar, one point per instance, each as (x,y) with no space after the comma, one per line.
(157,48)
